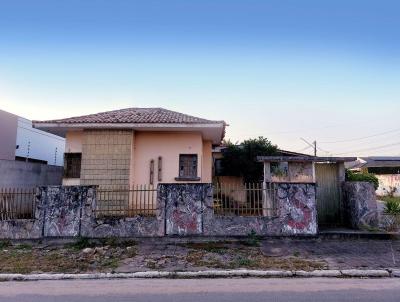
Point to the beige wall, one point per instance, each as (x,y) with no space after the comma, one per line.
(73,142)
(8,135)
(151,145)
(106,156)
(207,162)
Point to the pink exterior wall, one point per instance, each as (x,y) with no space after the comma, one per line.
(388,183)
(151,145)
(8,135)
(73,142)
(207,162)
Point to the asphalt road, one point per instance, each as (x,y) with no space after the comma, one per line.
(195,290)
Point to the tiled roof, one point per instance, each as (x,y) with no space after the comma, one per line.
(135,116)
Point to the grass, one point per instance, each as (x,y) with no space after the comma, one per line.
(211,247)
(5,243)
(243,255)
(26,258)
(392,204)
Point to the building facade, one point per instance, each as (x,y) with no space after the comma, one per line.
(136,146)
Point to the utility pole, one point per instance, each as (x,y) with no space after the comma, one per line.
(313,145)
(315,148)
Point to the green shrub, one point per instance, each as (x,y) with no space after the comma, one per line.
(392,206)
(252,239)
(351,176)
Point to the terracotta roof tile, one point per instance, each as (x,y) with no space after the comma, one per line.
(135,116)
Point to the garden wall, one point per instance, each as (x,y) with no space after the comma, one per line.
(360,208)
(182,210)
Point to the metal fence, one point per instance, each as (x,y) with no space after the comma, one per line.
(140,200)
(250,199)
(17,203)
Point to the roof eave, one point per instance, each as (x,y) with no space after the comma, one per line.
(62,128)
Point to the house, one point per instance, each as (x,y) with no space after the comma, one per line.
(21,142)
(385,168)
(327,173)
(136,146)
(29,157)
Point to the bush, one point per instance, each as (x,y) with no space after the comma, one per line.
(240,160)
(392,206)
(351,176)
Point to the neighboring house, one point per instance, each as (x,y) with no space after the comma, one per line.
(220,177)
(328,173)
(28,157)
(386,169)
(20,141)
(136,146)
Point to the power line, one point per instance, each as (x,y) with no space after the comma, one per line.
(361,138)
(368,149)
(314,145)
(301,150)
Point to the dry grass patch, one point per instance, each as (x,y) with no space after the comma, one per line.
(234,257)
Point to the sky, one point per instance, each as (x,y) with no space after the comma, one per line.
(283,69)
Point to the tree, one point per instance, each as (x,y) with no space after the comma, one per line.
(241,160)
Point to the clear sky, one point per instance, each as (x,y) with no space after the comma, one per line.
(319,69)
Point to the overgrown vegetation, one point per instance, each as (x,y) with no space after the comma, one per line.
(241,159)
(362,176)
(252,239)
(392,204)
(81,243)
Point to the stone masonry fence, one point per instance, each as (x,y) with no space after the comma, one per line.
(181,210)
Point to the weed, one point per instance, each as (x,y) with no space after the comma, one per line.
(23,246)
(252,239)
(245,262)
(5,243)
(81,243)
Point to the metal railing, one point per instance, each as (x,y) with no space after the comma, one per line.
(250,199)
(17,203)
(140,200)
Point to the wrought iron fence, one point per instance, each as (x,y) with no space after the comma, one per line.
(140,200)
(249,199)
(17,203)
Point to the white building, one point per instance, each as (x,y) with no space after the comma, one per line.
(19,141)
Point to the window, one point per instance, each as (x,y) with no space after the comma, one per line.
(188,167)
(72,165)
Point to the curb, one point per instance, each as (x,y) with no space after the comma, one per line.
(351,273)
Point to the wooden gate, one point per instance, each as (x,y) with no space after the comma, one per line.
(328,195)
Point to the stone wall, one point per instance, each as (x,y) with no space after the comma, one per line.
(25,228)
(182,209)
(360,208)
(106,157)
(296,215)
(63,209)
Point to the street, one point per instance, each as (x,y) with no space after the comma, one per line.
(221,290)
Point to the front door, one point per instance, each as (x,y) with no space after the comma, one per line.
(328,195)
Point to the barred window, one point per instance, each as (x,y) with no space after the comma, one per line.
(72,165)
(188,165)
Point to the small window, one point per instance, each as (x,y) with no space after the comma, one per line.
(72,165)
(188,166)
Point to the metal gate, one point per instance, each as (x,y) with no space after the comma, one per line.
(328,195)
